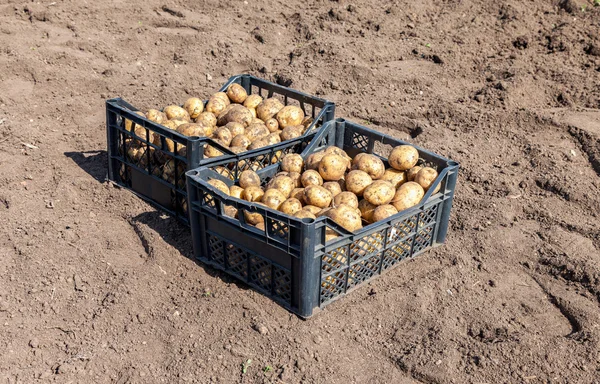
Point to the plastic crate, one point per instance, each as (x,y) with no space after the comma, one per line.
(156,173)
(289,261)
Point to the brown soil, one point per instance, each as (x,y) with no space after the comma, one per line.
(96,286)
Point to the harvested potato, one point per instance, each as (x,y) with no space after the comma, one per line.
(290,206)
(357,158)
(249,178)
(313,160)
(291,132)
(211,151)
(332,167)
(235,149)
(175,112)
(333,187)
(253,218)
(371,164)
(223,135)
(223,96)
(236,93)
(256,131)
(253,112)
(253,193)
(282,173)
(191,129)
(412,173)
(216,105)
(252,101)
(307,122)
(403,157)
(223,172)
(311,177)
(272,125)
(221,186)
(380,192)
(130,124)
(347,198)
(298,193)
(207,118)
(284,184)
(338,151)
(408,195)
(259,143)
(357,181)
(235,128)
(292,162)
(345,216)
(179,122)
(397,178)
(273,198)
(156,116)
(304,214)
(236,191)
(383,212)
(235,113)
(317,196)
(312,209)
(230,211)
(268,108)
(290,115)
(241,141)
(367,210)
(426,177)
(296,178)
(194,107)
(273,138)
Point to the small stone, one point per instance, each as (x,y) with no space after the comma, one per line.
(34,343)
(479,98)
(261,328)
(209,77)
(438,362)
(318,339)
(410,25)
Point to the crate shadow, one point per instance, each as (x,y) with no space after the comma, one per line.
(95,163)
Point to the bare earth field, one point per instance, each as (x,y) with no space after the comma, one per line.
(97,286)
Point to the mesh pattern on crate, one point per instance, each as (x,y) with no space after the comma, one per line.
(335,259)
(215,249)
(423,239)
(428,216)
(278,228)
(396,253)
(363,270)
(402,229)
(208,200)
(367,245)
(359,141)
(333,285)
(237,261)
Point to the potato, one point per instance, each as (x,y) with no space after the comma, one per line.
(253,112)
(216,105)
(367,210)
(282,173)
(383,212)
(218,184)
(332,167)
(291,132)
(259,143)
(230,211)
(191,129)
(235,128)
(304,214)
(403,157)
(312,209)
(357,158)
(179,122)
(252,101)
(380,192)
(194,107)
(156,116)
(313,160)
(130,124)
(253,193)
(240,141)
(292,162)
(330,234)
(357,181)
(223,135)
(408,195)
(298,193)
(273,198)
(272,125)
(175,112)
(296,178)
(236,191)
(290,206)
(290,115)
(237,149)
(426,177)
(223,96)
(211,151)
(333,187)
(311,177)
(223,172)
(236,113)
(338,151)
(284,184)
(249,178)
(254,218)
(345,216)
(371,164)
(397,178)
(412,173)
(256,131)
(347,198)
(307,122)
(237,93)
(207,118)
(317,196)
(268,108)
(273,138)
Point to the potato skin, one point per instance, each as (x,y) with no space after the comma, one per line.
(292,162)
(268,108)
(218,184)
(383,212)
(345,216)
(311,177)
(175,112)
(235,113)
(291,206)
(249,178)
(357,181)
(256,131)
(223,135)
(304,214)
(333,187)
(296,178)
(252,101)
(347,198)
(367,210)
(317,196)
(312,209)
(371,164)
(253,193)
(216,105)
(412,173)
(253,218)
(397,178)
(290,115)
(380,192)
(272,125)
(425,177)
(194,107)
(240,141)
(156,116)
(408,195)
(236,191)
(403,157)
(298,193)
(332,167)
(235,128)
(284,184)
(291,132)
(236,93)
(313,160)
(207,118)
(273,198)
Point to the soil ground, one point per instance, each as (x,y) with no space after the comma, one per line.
(97,286)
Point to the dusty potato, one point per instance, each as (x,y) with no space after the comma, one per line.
(311,177)
(248,178)
(292,162)
(332,167)
(273,198)
(298,193)
(304,214)
(237,149)
(291,132)
(230,211)
(290,206)
(207,118)
(338,151)
(408,195)
(235,128)
(371,164)
(211,151)
(223,135)
(179,122)
(383,212)
(397,178)
(253,193)
(367,210)
(296,178)
(259,143)
(333,187)
(284,184)
(268,108)
(272,125)
(237,93)
(235,113)
(216,105)
(256,131)
(223,96)
(313,160)
(345,216)
(240,141)
(273,138)
(175,112)
(218,184)
(254,218)
(403,157)
(194,107)
(380,192)
(307,122)
(236,191)
(223,171)
(312,209)
(252,101)
(426,177)
(317,196)
(412,173)
(282,173)
(290,115)
(191,129)
(156,116)
(357,158)
(347,198)
(357,181)
(130,124)
(253,112)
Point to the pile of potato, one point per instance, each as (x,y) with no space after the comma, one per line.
(350,191)
(234,119)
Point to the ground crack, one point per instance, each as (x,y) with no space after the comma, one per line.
(149,249)
(589,145)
